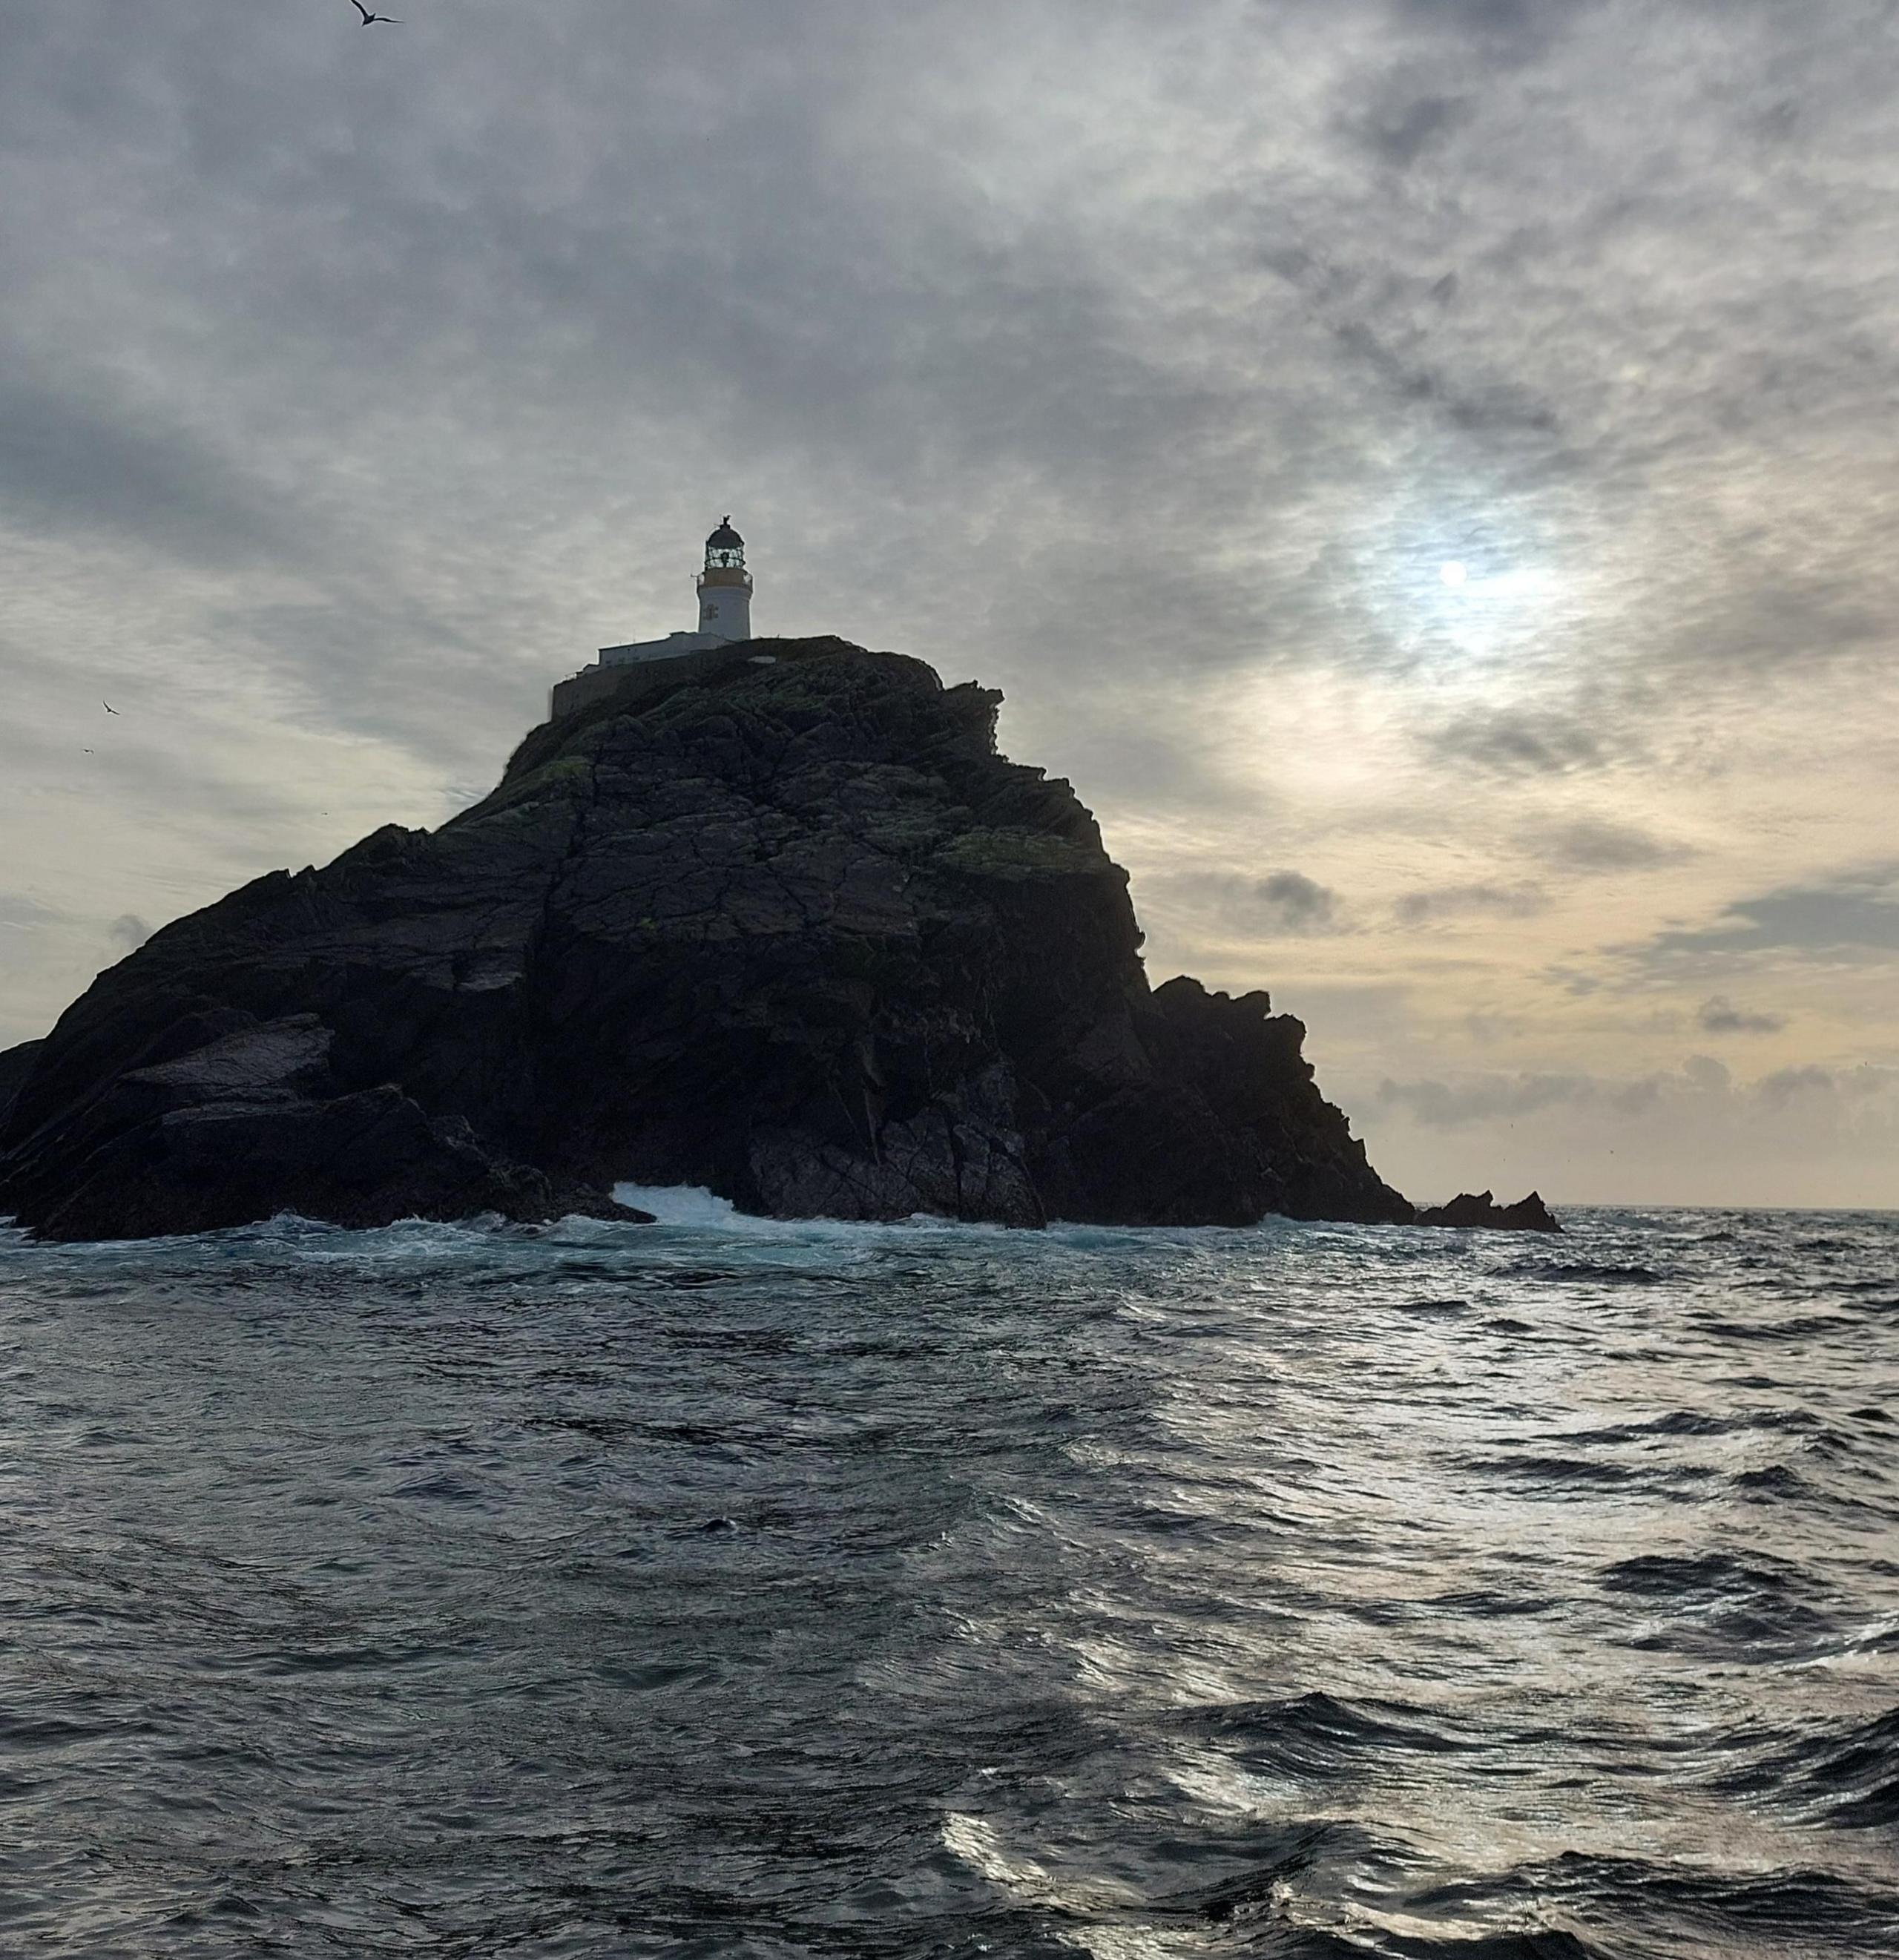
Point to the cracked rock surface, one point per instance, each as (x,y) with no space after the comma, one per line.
(793,930)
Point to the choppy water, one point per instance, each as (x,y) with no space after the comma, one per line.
(722,1588)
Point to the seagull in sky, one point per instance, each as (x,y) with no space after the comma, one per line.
(108,706)
(370,19)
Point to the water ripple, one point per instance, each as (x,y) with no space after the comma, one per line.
(734,1588)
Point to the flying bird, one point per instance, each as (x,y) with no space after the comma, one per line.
(108,706)
(370,19)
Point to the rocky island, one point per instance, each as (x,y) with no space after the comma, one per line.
(787,926)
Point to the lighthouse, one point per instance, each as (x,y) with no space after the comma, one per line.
(725,607)
(725,621)
(725,588)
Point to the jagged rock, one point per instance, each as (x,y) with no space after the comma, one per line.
(1481,1209)
(793,931)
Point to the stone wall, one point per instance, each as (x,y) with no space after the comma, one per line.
(636,678)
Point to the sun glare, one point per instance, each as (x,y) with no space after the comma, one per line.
(1454,574)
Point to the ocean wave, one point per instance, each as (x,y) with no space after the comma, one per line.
(1724,1605)
(1796,1327)
(1843,1775)
(1700,1422)
(1680,1906)
(1315,1733)
(771,1587)
(1560,1472)
(1570,1272)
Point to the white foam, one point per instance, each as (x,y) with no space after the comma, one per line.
(692,1208)
(1101,1911)
(684,1204)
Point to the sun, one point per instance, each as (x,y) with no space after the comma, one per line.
(1455,574)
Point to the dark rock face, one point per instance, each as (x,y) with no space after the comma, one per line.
(792,930)
(1481,1209)
(252,1123)
(16,1065)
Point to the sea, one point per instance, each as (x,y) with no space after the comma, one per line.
(726,1587)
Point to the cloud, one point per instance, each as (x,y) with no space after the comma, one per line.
(1284,904)
(1516,744)
(1445,901)
(1293,902)
(1591,845)
(1788,1085)
(1859,912)
(1487,1029)
(20,916)
(1400,127)
(1534,22)
(1469,1101)
(1487,1098)
(1690,1135)
(1719,1015)
(129,932)
(74,453)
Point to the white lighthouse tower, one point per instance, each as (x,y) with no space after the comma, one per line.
(725,588)
(725,621)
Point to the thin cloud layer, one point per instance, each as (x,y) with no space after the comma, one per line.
(1433,444)
(1521,901)
(1611,1139)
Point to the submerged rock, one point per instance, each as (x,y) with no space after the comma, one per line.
(792,931)
(1481,1209)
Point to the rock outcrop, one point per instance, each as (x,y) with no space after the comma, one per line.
(1479,1209)
(793,930)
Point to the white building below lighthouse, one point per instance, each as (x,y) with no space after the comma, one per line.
(725,620)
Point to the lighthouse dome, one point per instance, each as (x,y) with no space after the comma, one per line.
(725,538)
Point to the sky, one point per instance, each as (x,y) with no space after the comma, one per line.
(1423,469)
